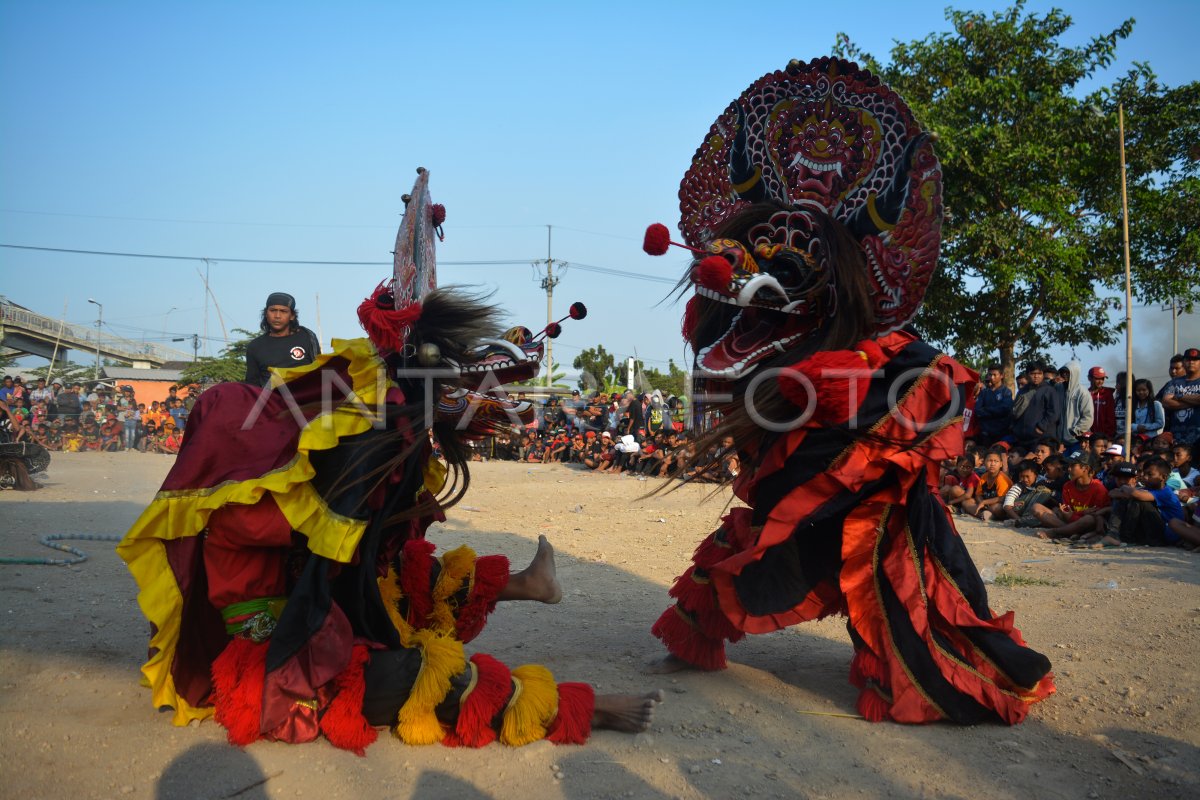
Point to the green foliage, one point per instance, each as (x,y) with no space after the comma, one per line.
(1032,245)
(64,372)
(597,369)
(556,379)
(671,382)
(230,365)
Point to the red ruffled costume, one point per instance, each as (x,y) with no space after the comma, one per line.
(287,615)
(855,526)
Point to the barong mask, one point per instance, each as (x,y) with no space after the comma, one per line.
(449,335)
(827,144)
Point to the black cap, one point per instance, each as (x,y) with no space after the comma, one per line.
(1191,354)
(281,299)
(1124,470)
(1087,459)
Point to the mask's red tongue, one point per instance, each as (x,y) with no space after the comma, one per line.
(751,332)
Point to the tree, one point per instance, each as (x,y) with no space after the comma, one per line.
(671,382)
(65,372)
(230,365)
(597,369)
(539,381)
(1031,182)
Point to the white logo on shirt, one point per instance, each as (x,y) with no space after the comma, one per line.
(297,353)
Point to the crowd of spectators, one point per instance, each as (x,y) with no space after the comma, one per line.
(71,418)
(616,433)
(1053,461)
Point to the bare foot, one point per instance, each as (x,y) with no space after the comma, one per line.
(538,581)
(667,665)
(630,713)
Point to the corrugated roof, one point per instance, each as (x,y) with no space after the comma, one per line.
(134,374)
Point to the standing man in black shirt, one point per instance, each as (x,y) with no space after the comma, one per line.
(283,343)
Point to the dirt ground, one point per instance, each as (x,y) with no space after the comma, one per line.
(74,722)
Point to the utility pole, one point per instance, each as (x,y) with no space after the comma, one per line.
(99,322)
(548,283)
(1126,434)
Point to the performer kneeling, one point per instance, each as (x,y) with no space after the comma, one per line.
(283,565)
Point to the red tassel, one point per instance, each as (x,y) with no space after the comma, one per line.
(714,272)
(873,706)
(343,723)
(238,675)
(416,567)
(437,214)
(493,685)
(709,553)
(386,326)
(686,642)
(865,666)
(576,705)
(657,240)
(491,576)
(693,595)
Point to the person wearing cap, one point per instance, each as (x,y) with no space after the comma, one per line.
(1157,503)
(1181,400)
(1104,409)
(284,342)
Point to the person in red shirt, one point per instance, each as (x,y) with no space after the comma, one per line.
(1104,404)
(957,493)
(1085,503)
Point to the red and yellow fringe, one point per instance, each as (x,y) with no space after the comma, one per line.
(532,708)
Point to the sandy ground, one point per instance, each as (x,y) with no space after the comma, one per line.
(1125,723)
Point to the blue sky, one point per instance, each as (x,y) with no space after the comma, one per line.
(290,130)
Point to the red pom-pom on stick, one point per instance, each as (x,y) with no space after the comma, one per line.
(437,214)
(657,240)
(714,272)
(578,311)
(553,330)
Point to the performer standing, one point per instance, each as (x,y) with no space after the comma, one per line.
(284,341)
(813,207)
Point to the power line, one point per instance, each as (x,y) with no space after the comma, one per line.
(187,221)
(482,263)
(620,273)
(248,260)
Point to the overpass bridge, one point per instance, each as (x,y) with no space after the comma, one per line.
(29,333)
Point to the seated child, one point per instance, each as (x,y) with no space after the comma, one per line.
(1024,492)
(91,437)
(961,485)
(1166,508)
(992,487)
(1085,503)
(1183,474)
